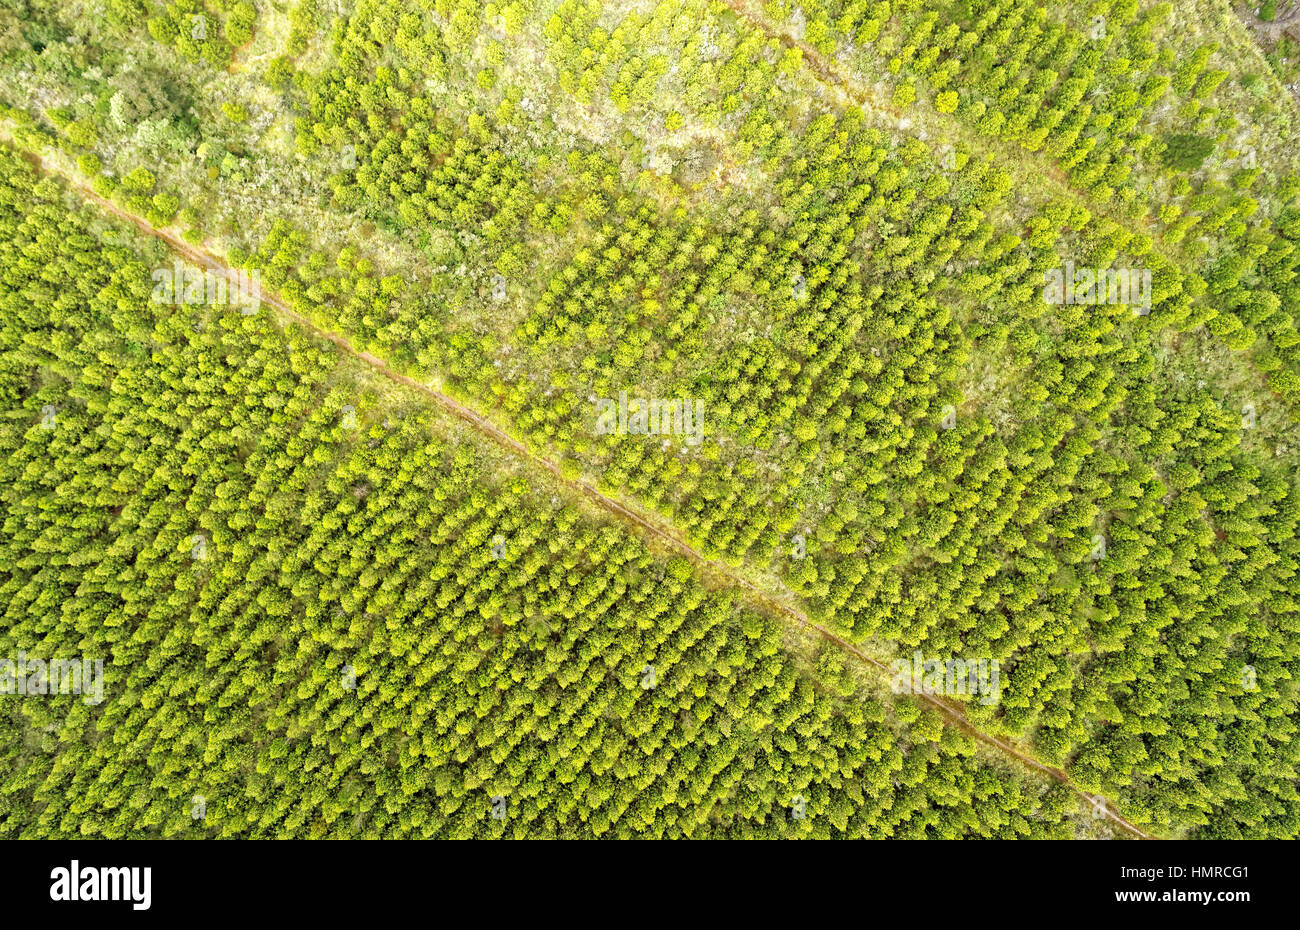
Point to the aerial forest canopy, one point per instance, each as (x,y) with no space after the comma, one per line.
(565,418)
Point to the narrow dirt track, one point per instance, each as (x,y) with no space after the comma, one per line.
(950,709)
(852,91)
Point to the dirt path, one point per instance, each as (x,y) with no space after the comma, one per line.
(852,92)
(719,570)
